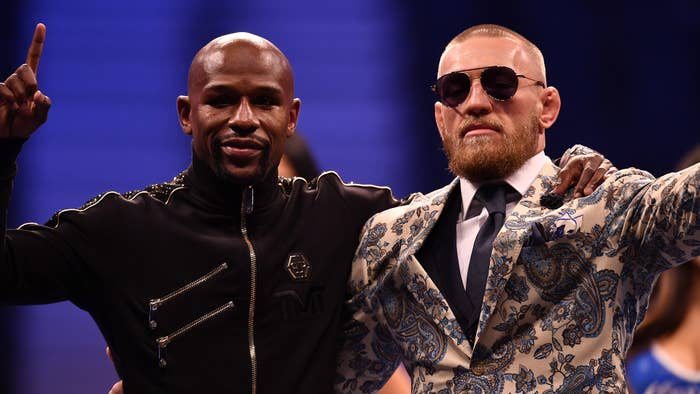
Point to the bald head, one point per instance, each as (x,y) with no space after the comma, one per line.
(236,48)
(240,108)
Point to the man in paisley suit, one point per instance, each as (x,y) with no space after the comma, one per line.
(547,304)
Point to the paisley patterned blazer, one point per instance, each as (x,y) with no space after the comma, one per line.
(565,290)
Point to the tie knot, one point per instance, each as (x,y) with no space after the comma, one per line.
(495,196)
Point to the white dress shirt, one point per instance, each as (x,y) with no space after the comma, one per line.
(467,230)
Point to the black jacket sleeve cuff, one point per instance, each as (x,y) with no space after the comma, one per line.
(9,150)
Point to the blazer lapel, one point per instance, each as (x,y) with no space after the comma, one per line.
(510,239)
(422,286)
(427,295)
(438,256)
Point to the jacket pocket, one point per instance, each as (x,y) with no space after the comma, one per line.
(156,303)
(164,341)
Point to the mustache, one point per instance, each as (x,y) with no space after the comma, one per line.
(233,137)
(470,124)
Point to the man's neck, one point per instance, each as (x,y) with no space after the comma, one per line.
(520,180)
(225,192)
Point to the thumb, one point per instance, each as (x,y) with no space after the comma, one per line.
(42,104)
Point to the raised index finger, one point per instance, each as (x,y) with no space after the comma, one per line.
(35,49)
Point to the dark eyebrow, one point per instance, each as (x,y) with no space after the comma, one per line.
(269,90)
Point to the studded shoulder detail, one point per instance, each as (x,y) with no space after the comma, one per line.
(160,191)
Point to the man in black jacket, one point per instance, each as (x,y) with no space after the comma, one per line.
(225,279)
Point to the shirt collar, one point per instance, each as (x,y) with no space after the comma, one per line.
(520,180)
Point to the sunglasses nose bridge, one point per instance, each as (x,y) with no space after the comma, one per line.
(477,98)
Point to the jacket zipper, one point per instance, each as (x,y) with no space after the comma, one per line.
(247,209)
(158,302)
(165,340)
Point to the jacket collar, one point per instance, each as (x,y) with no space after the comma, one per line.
(223,196)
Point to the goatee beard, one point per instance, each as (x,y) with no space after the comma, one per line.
(225,176)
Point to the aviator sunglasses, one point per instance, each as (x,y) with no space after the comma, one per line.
(499,82)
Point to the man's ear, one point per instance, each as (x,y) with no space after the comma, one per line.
(551,104)
(293,116)
(183,113)
(439,120)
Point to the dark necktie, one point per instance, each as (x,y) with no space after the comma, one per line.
(494,197)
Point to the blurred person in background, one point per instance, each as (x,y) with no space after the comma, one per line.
(665,355)
(298,160)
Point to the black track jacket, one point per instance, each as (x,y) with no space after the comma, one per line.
(200,286)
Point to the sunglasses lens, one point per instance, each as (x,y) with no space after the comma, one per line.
(500,83)
(453,88)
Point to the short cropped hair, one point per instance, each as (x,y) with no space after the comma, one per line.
(490,30)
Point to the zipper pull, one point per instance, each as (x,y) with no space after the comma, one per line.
(152,308)
(248,200)
(162,351)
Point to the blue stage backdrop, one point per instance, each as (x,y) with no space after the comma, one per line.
(627,74)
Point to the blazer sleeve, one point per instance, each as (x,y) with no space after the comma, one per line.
(369,355)
(658,219)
